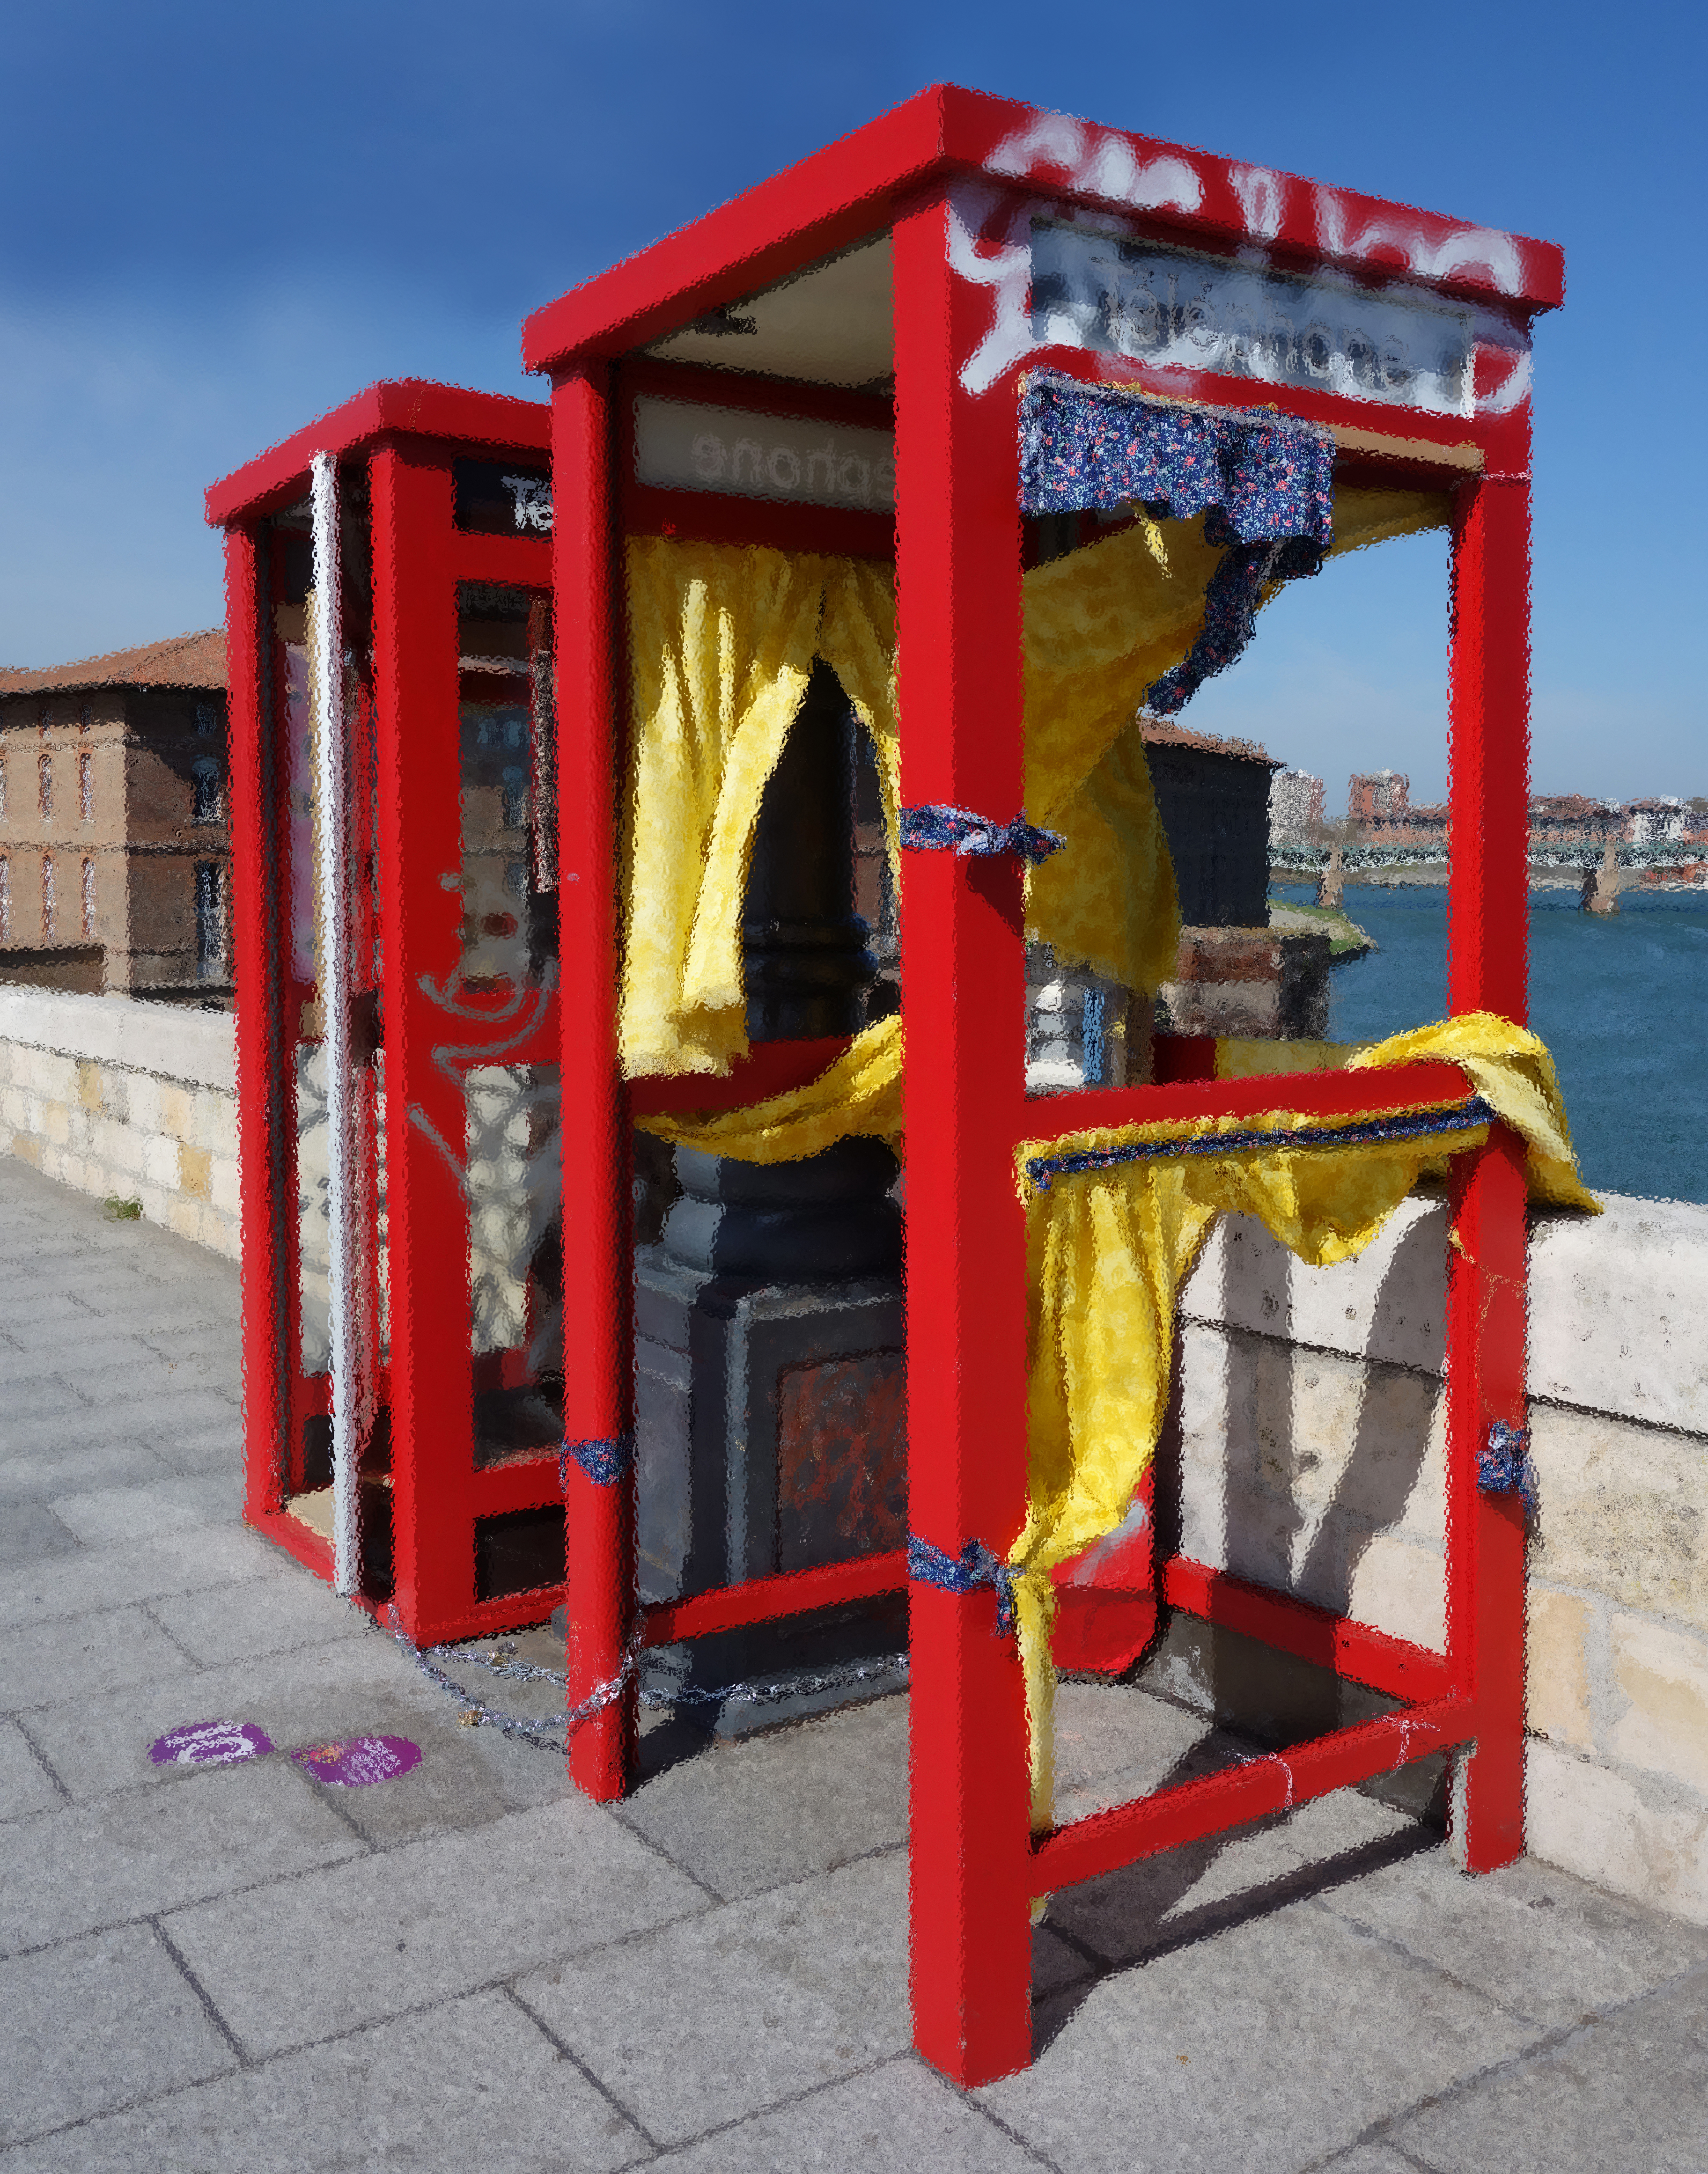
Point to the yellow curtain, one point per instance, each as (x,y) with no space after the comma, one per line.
(860,1093)
(721,643)
(1101,624)
(721,640)
(858,641)
(1108,1249)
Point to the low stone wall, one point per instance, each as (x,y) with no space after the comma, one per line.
(128,1101)
(1310,1425)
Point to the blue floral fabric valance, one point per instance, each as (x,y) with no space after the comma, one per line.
(1265,485)
(1096,446)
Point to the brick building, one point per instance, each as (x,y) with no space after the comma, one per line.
(115,842)
(1574,819)
(1379,810)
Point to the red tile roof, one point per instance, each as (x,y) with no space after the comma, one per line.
(1163,731)
(186,660)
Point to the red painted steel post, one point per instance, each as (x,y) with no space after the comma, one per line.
(418,756)
(257,918)
(600,1596)
(958,562)
(1487,1292)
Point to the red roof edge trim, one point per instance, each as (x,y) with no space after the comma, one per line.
(850,189)
(410,406)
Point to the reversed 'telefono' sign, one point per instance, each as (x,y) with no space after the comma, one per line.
(679,446)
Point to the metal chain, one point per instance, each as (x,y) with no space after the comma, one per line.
(532,1730)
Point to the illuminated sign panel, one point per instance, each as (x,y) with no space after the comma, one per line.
(786,458)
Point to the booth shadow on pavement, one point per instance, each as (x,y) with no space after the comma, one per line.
(469,1964)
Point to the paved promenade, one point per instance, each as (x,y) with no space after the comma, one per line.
(240,1968)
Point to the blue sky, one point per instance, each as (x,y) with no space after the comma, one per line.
(222,220)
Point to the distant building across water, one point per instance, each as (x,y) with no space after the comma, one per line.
(1296,814)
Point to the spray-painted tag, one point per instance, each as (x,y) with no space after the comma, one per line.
(354,1761)
(209,1743)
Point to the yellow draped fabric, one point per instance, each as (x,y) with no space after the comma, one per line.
(722,639)
(1101,624)
(860,1093)
(1108,1249)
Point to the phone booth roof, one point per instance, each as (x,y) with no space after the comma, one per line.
(406,408)
(791,278)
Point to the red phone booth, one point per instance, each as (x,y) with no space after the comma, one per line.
(394,902)
(948,257)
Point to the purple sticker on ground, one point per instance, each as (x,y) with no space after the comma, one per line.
(209,1743)
(357,1761)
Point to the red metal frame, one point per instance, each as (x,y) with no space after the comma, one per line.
(953,178)
(402,439)
(958,547)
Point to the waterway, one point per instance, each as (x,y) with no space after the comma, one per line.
(1621,1000)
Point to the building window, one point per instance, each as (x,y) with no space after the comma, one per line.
(85,718)
(85,786)
(44,783)
(207,720)
(48,898)
(204,791)
(5,901)
(88,897)
(210,949)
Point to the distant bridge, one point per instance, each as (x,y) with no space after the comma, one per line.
(1305,862)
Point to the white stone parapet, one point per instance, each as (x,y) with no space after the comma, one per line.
(1311,1424)
(132,1101)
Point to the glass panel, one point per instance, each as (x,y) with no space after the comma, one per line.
(508,978)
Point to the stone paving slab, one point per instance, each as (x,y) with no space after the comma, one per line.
(302,1959)
(53,1591)
(1541,1943)
(85,1656)
(1265,2046)
(30,1533)
(107,1347)
(63,1419)
(1629,2091)
(142,1851)
(265,1616)
(459,2088)
(73,1467)
(25,1784)
(111,1516)
(770,1810)
(742,2006)
(97,2023)
(899,2115)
